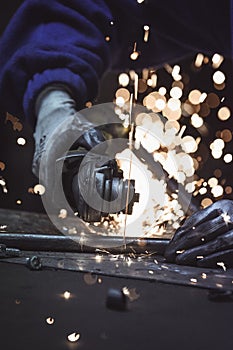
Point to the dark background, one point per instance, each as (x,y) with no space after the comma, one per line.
(164,317)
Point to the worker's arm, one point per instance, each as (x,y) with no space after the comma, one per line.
(57,41)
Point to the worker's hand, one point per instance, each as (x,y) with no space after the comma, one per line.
(206,237)
(59,126)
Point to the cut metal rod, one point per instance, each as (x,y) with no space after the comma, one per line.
(59,243)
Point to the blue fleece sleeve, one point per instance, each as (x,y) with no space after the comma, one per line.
(63,42)
(50,41)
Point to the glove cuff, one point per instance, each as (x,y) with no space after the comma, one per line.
(54,104)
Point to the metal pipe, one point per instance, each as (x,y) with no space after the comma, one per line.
(73,243)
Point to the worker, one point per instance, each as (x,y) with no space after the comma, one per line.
(53,54)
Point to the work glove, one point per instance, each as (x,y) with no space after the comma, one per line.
(58,123)
(205,239)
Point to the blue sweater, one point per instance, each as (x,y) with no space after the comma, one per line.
(63,41)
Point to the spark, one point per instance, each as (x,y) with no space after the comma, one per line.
(128,261)
(66,295)
(176,73)
(123,79)
(193,280)
(195,96)
(98,258)
(204,275)
(221,264)
(3,184)
(162,91)
(226,217)
(62,213)
(73,337)
(227,158)
(224,113)
(17,126)
(130,293)
(88,104)
(219,77)
(199,60)
(196,120)
(203,190)
(134,55)
(21,141)
(217,191)
(39,189)
(136,86)
(217,60)
(2,166)
(50,320)
(146,33)
(212,182)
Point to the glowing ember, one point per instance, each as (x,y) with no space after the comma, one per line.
(123,79)
(162,91)
(2,166)
(3,184)
(199,60)
(224,113)
(217,191)
(73,337)
(226,218)
(130,293)
(195,96)
(196,120)
(66,295)
(176,92)
(50,320)
(221,264)
(212,182)
(21,141)
(217,60)
(219,77)
(227,158)
(206,202)
(17,126)
(134,55)
(39,189)
(123,93)
(146,32)
(62,213)
(98,258)
(193,280)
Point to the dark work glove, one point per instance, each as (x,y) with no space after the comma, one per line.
(206,238)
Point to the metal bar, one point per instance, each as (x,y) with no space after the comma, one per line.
(74,243)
